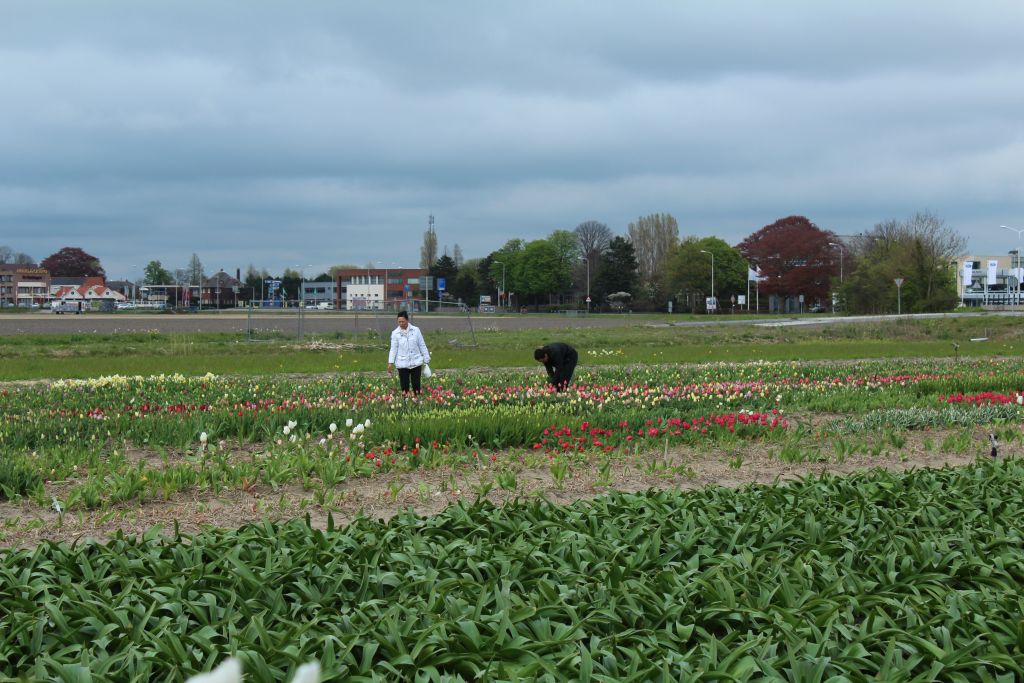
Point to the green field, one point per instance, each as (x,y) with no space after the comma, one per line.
(90,355)
(701,505)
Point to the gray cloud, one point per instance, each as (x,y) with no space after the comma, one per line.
(326,132)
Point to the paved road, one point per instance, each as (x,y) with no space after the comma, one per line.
(45,322)
(320,322)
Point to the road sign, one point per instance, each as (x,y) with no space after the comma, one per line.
(440,284)
(898,281)
(588,299)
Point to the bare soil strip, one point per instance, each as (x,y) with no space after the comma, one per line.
(428,492)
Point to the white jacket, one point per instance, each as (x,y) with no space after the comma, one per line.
(408,350)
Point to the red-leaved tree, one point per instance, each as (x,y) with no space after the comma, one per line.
(72,262)
(794,257)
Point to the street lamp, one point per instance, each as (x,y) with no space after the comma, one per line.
(588,283)
(301,295)
(384,291)
(713,299)
(1018,231)
(1015,271)
(502,292)
(385,267)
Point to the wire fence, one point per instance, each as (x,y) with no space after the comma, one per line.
(368,327)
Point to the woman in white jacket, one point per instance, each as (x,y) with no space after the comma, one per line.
(408,353)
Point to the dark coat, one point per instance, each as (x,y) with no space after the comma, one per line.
(560,364)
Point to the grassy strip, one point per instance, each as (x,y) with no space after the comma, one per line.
(913,576)
(83,355)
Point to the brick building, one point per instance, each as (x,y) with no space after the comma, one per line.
(23,285)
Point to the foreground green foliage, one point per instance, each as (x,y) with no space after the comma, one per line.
(916,576)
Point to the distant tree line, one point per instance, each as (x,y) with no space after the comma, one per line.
(788,265)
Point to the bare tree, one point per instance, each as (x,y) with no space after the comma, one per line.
(654,239)
(594,238)
(8,255)
(934,244)
(195,270)
(457,256)
(428,252)
(920,250)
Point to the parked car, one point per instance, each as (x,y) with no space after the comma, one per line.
(818,308)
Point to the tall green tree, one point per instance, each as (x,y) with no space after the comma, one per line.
(690,273)
(254,280)
(618,271)
(504,265)
(291,280)
(155,274)
(540,271)
(444,267)
(567,248)
(466,286)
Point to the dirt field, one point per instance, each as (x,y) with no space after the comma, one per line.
(430,491)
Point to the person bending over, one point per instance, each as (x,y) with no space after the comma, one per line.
(559,360)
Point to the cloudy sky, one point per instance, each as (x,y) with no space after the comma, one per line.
(317,133)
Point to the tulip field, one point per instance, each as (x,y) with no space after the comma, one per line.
(153,525)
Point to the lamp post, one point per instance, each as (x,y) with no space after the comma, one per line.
(1015,270)
(713,299)
(838,246)
(302,280)
(588,283)
(502,292)
(385,267)
(1018,231)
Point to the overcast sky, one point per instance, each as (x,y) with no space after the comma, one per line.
(318,133)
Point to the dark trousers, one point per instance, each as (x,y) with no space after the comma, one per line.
(406,374)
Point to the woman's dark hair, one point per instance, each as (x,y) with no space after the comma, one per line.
(403,314)
(538,354)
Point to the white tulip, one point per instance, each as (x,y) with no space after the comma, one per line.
(308,673)
(230,671)
(348,423)
(333,428)
(367,423)
(203,437)
(292,423)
